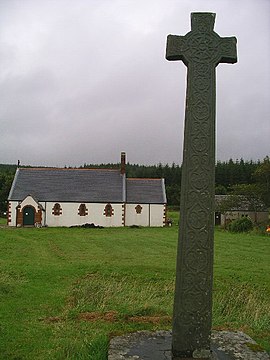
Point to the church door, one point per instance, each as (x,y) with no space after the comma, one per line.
(28,215)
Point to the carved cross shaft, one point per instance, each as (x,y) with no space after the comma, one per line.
(201,50)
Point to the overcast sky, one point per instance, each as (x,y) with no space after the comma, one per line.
(81,81)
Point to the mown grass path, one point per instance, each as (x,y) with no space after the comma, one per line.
(64,292)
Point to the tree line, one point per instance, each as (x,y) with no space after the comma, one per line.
(232,177)
(239,177)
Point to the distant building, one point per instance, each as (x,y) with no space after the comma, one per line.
(232,207)
(66,197)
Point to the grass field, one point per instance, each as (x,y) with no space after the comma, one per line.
(3,221)
(64,292)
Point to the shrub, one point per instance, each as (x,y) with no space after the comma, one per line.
(241,225)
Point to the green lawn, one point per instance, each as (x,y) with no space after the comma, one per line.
(3,221)
(64,292)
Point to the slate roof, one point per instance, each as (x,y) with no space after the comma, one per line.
(68,185)
(146,191)
(85,185)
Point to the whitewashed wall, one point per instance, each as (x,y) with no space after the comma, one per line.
(151,215)
(132,218)
(95,215)
(156,215)
(13,211)
(29,201)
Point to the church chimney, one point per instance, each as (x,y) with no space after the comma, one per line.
(123,163)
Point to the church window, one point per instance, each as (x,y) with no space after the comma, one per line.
(138,209)
(57,210)
(108,211)
(82,211)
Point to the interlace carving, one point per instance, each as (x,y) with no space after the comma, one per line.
(200,50)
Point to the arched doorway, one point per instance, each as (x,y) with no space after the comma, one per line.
(28,216)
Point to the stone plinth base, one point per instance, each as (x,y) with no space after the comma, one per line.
(145,345)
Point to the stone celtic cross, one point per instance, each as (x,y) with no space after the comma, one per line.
(201,50)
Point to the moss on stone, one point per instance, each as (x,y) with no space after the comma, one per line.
(254,347)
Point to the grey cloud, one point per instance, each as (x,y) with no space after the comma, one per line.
(81,81)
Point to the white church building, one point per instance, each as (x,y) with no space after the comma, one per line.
(70,197)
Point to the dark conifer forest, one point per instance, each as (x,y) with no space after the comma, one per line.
(231,177)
